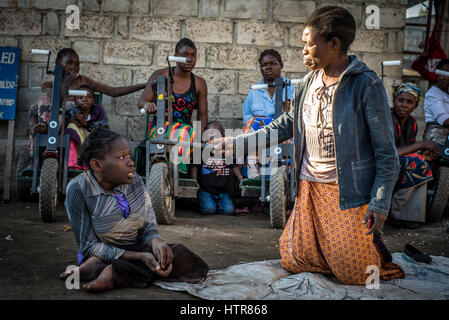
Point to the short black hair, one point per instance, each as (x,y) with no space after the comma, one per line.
(64,52)
(333,21)
(184,42)
(217,125)
(97,143)
(442,63)
(273,53)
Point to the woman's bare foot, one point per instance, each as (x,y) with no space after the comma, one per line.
(105,281)
(89,270)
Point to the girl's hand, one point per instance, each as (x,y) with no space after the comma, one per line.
(162,252)
(165,272)
(150,261)
(150,107)
(379,220)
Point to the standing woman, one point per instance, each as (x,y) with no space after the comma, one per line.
(189,93)
(345,157)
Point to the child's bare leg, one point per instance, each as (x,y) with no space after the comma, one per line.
(89,270)
(105,281)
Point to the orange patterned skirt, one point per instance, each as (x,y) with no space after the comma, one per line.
(319,237)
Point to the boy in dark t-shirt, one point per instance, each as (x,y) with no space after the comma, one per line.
(213,176)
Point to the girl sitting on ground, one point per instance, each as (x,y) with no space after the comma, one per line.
(114,223)
(408,207)
(81,119)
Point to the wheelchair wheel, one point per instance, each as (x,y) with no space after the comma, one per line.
(48,190)
(23,187)
(279,195)
(438,203)
(160,188)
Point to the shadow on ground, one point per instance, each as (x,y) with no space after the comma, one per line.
(34,253)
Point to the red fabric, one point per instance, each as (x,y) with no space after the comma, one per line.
(426,64)
(73,158)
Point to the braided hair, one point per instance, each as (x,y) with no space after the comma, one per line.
(97,143)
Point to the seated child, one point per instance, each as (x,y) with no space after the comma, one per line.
(81,119)
(39,113)
(114,223)
(213,176)
(408,206)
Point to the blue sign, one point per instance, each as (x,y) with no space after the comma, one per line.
(9,79)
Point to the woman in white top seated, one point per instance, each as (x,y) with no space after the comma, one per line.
(436,107)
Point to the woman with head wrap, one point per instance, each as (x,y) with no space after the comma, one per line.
(408,206)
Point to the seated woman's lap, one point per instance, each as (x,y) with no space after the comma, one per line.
(415,170)
(180,132)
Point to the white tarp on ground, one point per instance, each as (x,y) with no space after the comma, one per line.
(267,280)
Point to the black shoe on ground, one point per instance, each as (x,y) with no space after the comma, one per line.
(416,255)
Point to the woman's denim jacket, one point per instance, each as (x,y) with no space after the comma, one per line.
(366,157)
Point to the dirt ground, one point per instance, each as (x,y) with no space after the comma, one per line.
(33,253)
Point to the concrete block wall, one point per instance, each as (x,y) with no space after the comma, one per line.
(121,42)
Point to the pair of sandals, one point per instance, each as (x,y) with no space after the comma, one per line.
(409,250)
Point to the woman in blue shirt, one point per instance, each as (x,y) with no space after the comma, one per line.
(261,102)
(259,105)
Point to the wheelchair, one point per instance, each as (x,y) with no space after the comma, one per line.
(47,180)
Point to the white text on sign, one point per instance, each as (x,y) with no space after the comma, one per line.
(8,58)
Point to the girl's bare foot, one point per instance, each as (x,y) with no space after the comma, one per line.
(105,281)
(89,270)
